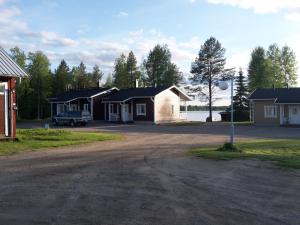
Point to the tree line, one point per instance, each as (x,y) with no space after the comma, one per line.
(33,92)
(275,67)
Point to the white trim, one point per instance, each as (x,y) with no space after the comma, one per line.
(138,112)
(104,92)
(6,125)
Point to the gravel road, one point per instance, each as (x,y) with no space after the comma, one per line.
(148,179)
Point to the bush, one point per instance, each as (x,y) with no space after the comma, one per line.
(227,147)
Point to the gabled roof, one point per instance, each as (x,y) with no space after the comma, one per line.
(8,67)
(127,94)
(279,95)
(75,94)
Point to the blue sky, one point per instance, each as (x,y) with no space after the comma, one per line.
(96,32)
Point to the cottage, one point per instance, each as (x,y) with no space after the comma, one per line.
(275,106)
(153,104)
(87,100)
(9,71)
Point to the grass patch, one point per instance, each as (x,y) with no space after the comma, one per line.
(285,152)
(33,139)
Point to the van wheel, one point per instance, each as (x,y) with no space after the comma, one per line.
(72,123)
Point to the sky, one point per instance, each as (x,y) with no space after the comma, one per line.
(96,32)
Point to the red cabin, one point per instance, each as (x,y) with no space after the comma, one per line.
(9,72)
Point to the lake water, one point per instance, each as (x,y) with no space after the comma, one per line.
(200,115)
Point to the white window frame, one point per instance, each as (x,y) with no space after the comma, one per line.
(270,111)
(86,107)
(139,111)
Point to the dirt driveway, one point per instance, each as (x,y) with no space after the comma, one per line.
(149,179)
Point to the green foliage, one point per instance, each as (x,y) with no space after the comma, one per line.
(61,78)
(228,147)
(121,78)
(18,56)
(159,69)
(132,70)
(79,77)
(40,84)
(275,67)
(241,93)
(33,139)
(259,71)
(285,152)
(208,68)
(95,77)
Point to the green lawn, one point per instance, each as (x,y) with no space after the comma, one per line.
(285,152)
(33,139)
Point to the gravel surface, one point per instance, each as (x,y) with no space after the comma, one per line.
(149,179)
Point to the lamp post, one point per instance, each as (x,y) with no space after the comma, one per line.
(224,86)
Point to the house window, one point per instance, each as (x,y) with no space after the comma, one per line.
(295,111)
(141,109)
(270,111)
(86,107)
(172,109)
(2,89)
(73,107)
(60,108)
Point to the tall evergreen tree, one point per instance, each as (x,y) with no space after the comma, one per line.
(240,102)
(40,82)
(80,77)
(121,78)
(159,69)
(61,78)
(260,70)
(207,69)
(132,70)
(95,77)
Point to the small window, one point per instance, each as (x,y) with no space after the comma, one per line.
(2,89)
(172,109)
(73,107)
(60,108)
(86,107)
(270,111)
(295,111)
(141,109)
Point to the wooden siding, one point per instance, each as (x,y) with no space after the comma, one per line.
(259,113)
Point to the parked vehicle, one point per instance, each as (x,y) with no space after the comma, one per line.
(72,118)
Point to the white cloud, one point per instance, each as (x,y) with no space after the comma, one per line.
(123,14)
(192,1)
(290,8)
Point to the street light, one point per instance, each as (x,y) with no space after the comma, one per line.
(223,85)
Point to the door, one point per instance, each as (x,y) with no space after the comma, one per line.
(294,114)
(4,123)
(125,112)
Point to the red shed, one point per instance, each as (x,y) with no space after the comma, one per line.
(9,72)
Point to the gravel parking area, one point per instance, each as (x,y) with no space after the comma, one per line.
(149,178)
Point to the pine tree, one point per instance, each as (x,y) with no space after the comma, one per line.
(132,69)
(61,78)
(80,77)
(240,101)
(95,77)
(207,69)
(121,78)
(159,68)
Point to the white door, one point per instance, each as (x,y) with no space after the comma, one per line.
(294,114)
(125,112)
(4,93)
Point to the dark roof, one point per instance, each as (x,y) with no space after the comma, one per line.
(129,93)
(74,94)
(8,67)
(280,95)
